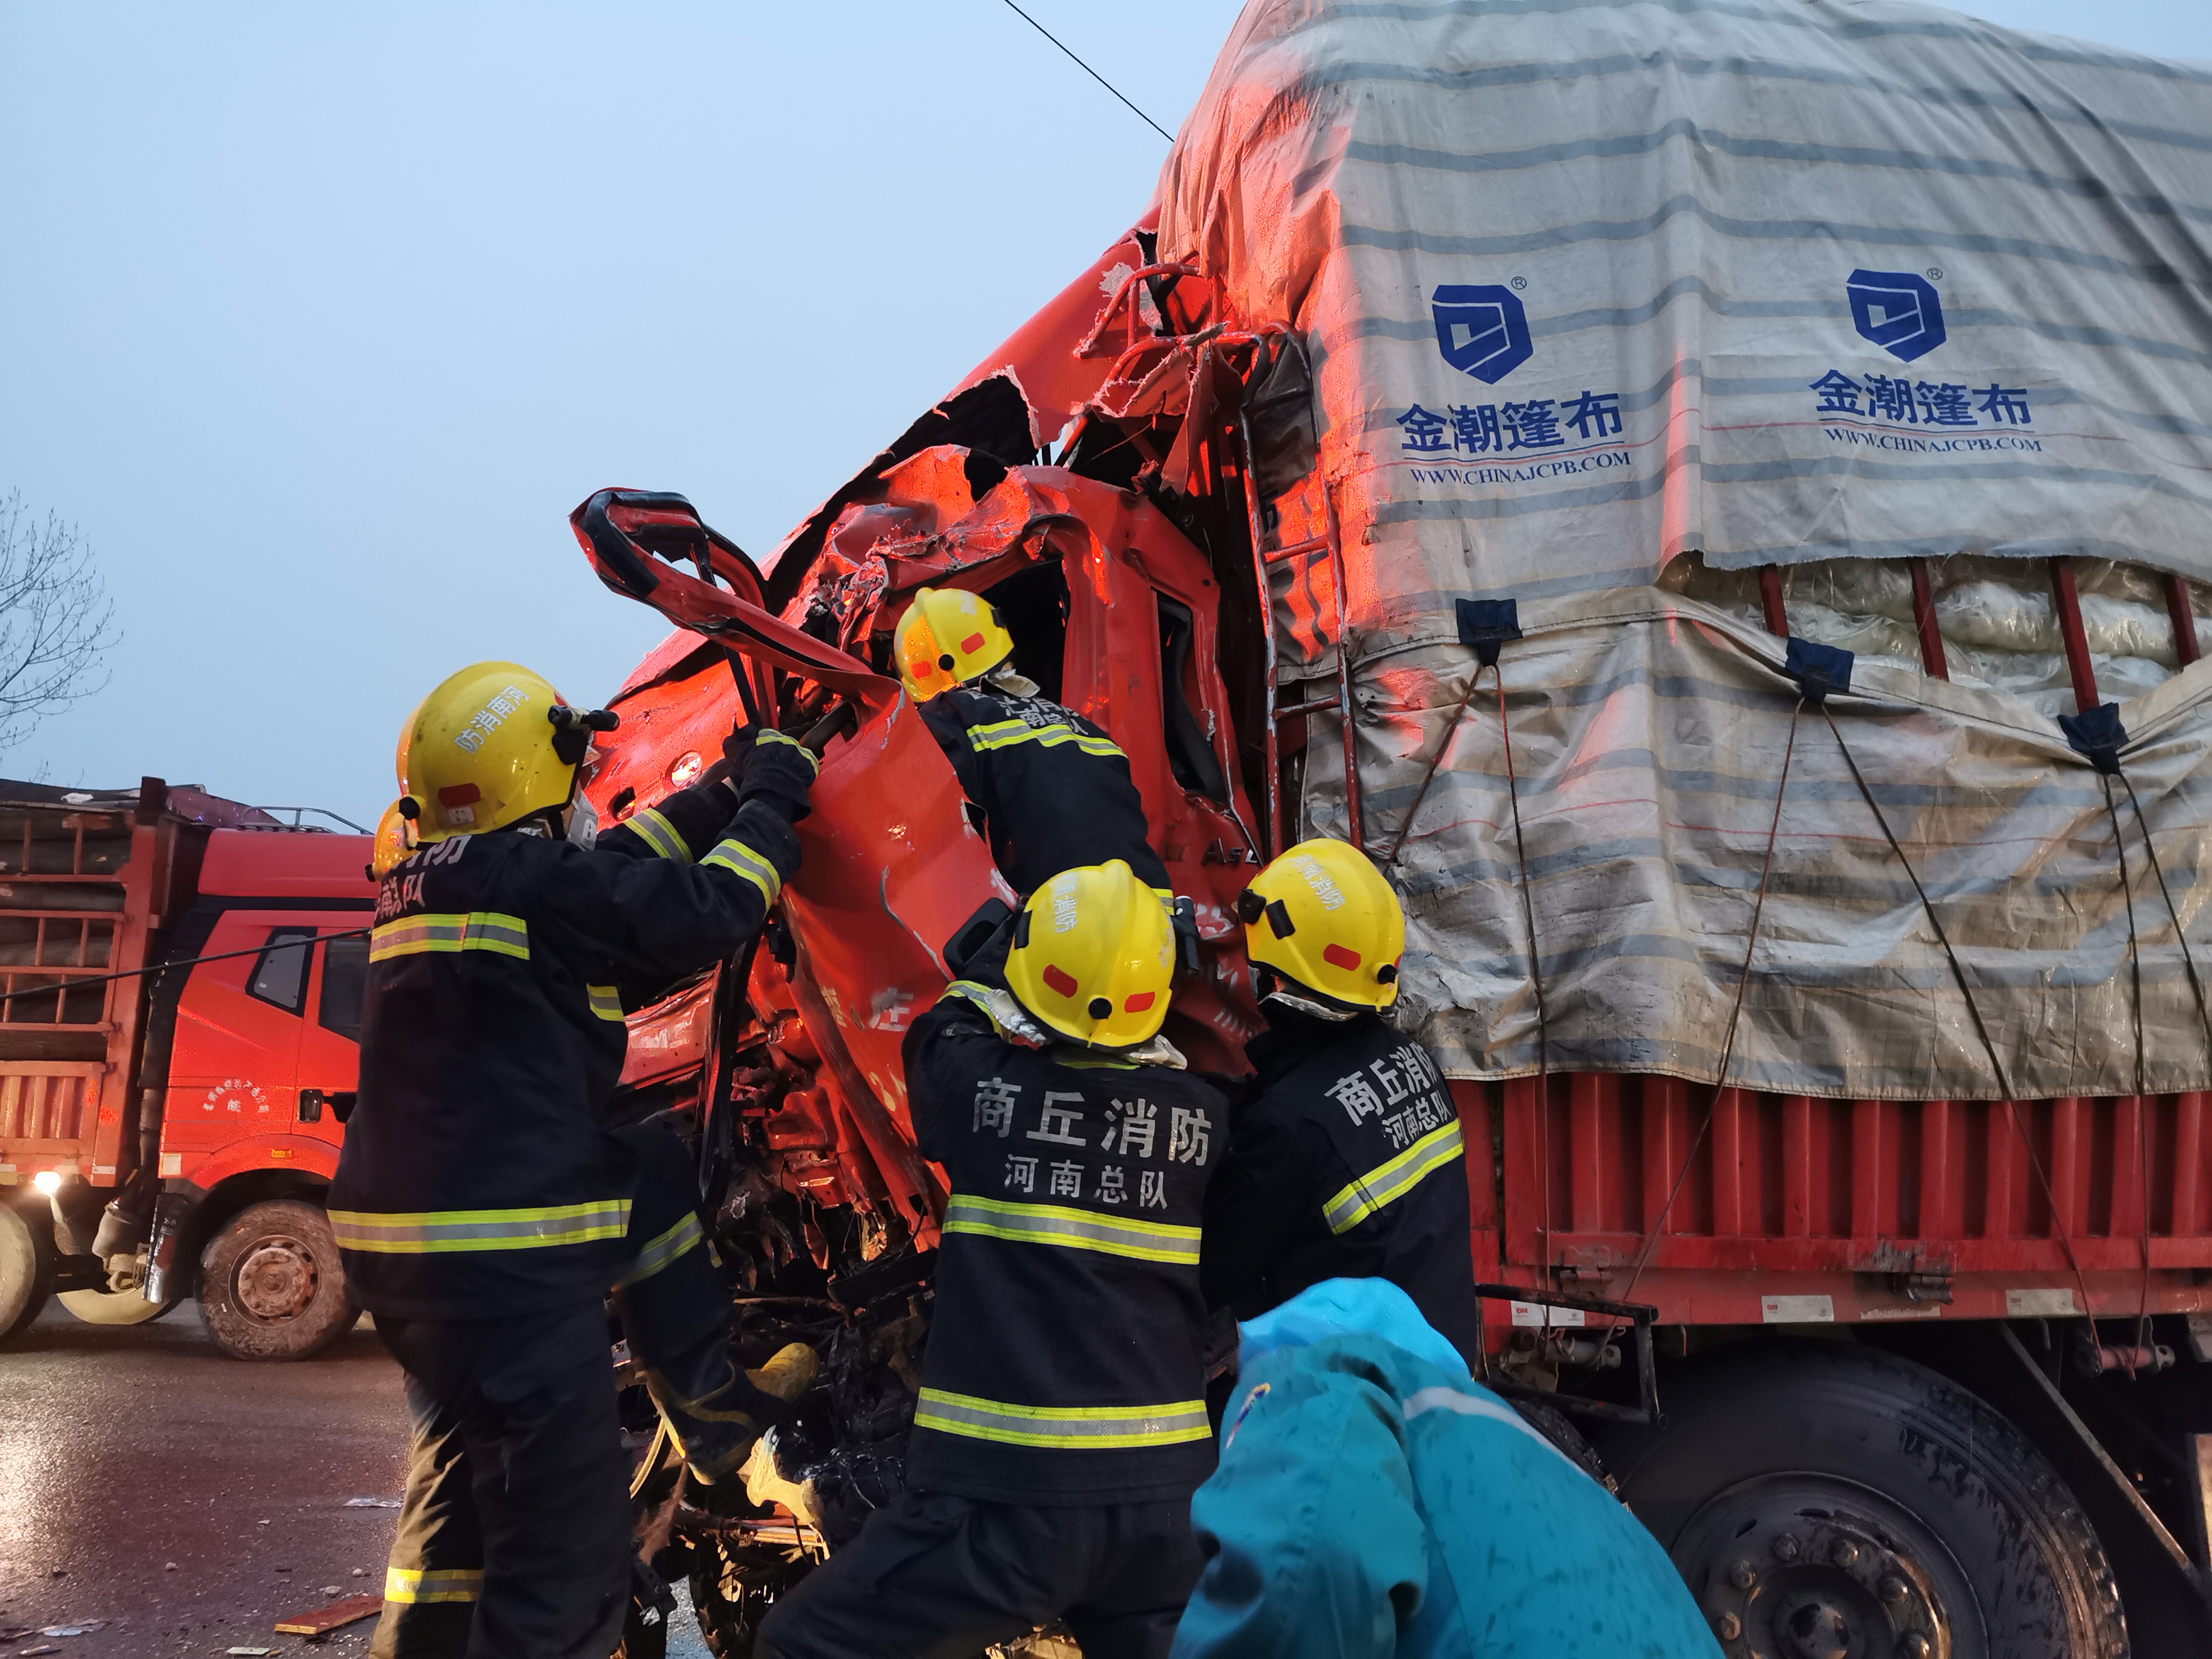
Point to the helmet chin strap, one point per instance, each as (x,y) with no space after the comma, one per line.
(1272,987)
(583,820)
(577,821)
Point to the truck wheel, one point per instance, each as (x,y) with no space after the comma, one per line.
(1821,1498)
(271,1287)
(26,1267)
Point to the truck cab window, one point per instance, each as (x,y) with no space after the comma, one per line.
(345,984)
(1033,605)
(280,972)
(1189,745)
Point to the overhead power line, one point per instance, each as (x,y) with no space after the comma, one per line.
(1088,70)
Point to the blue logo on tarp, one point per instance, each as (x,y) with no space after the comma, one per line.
(1482,329)
(1896,310)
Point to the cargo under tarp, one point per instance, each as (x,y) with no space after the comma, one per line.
(1648,735)
(1588,286)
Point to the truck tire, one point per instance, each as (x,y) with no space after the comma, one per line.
(26,1267)
(270,1287)
(1824,1497)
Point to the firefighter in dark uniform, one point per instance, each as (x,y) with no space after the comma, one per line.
(1061,1427)
(1054,790)
(484,1206)
(1345,1161)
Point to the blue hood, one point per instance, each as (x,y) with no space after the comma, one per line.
(1346,1306)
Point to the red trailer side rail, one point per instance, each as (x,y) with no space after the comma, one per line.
(1733,1206)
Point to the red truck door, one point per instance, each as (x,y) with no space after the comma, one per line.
(264,1040)
(246,1027)
(330,1034)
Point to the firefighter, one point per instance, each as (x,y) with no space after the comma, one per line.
(1347,1161)
(1061,1427)
(1054,791)
(484,1205)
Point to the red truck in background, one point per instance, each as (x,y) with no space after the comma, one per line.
(168,1131)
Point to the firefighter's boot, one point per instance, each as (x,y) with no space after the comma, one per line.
(716,1412)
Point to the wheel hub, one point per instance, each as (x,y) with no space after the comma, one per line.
(1816,1629)
(1784,1573)
(276,1278)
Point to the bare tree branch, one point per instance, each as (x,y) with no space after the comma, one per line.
(56,620)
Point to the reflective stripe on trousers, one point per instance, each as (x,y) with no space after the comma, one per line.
(1005,734)
(605,1000)
(1091,1427)
(433,1584)
(1076,1230)
(477,930)
(1387,1182)
(734,854)
(661,1250)
(658,832)
(434,1232)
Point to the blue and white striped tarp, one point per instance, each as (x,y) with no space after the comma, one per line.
(1589,284)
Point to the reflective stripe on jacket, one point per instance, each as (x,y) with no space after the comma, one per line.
(1069,1427)
(1391,1179)
(408,1584)
(1074,1229)
(429,1232)
(479,930)
(478,1177)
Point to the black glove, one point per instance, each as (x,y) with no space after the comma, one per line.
(768,766)
(737,750)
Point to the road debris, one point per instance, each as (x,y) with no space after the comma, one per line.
(250,1653)
(366,1504)
(322,1621)
(43,1647)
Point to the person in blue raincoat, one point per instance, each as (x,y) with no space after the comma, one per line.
(1373,1499)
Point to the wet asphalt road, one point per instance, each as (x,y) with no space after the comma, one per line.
(121,1450)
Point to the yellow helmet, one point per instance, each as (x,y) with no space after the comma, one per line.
(1093,954)
(947,637)
(1322,914)
(490,746)
(395,840)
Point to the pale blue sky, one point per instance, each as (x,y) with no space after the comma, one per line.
(320,320)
